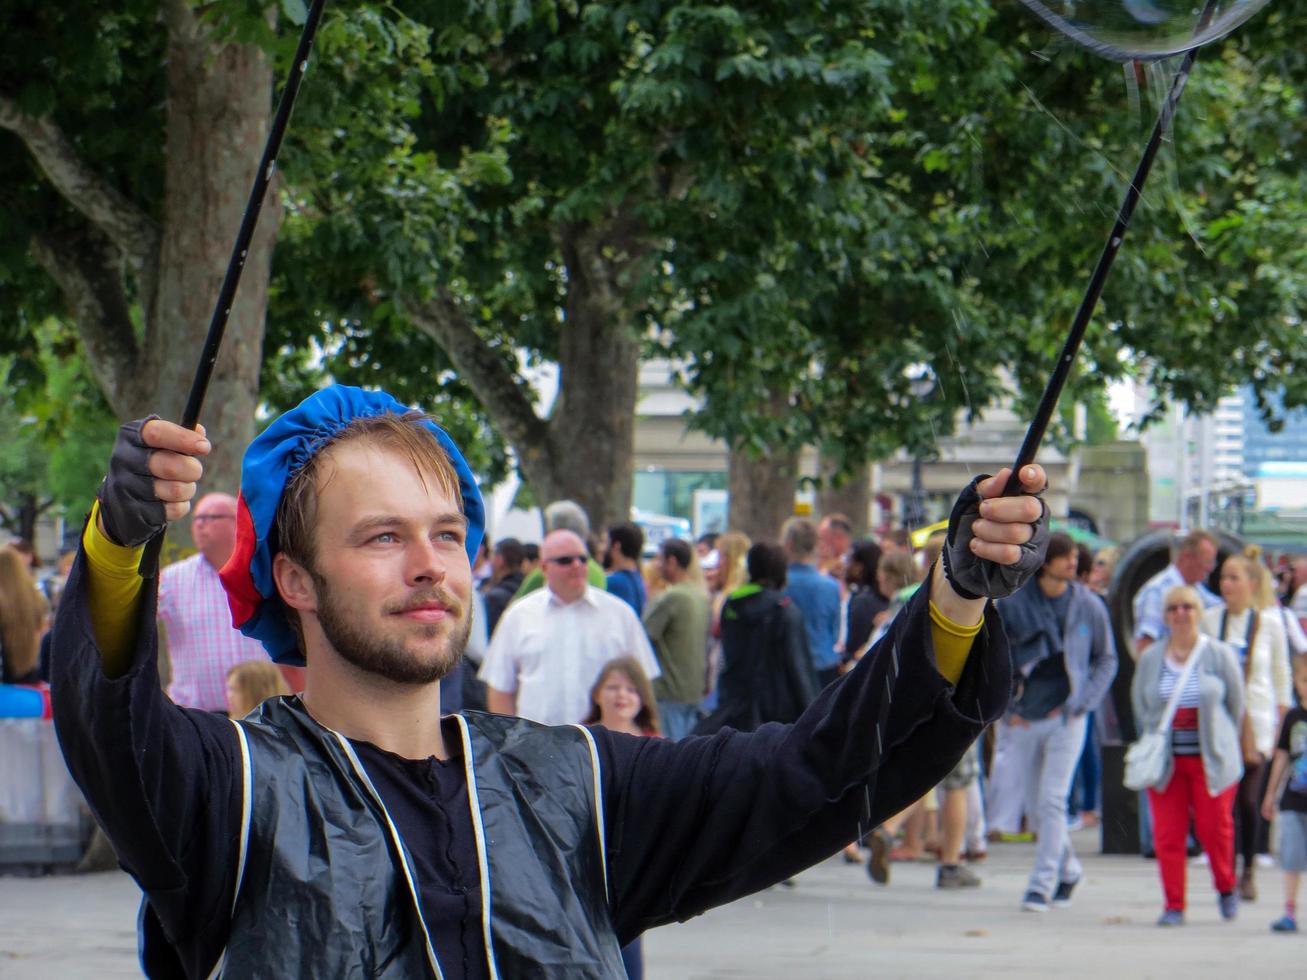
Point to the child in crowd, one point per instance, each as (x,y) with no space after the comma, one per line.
(1291,759)
(622,699)
(251,683)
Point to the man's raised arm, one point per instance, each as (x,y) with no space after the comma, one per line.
(162,781)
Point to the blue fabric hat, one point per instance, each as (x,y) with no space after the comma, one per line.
(272,459)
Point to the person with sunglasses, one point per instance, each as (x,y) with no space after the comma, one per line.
(1206,761)
(550,645)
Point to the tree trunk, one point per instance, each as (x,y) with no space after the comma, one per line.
(219,110)
(592,426)
(852,498)
(761,492)
(29,510)
(583,451)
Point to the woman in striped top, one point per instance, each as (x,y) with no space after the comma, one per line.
(1206,762)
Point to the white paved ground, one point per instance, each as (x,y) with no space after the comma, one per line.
(834,925)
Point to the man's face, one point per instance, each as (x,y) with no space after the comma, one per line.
(1197,564)
(213,528)
(563,557)
(391,574)
(1061,568)
(832,543)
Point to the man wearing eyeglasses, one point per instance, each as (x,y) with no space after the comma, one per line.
(550,645)
(202,644)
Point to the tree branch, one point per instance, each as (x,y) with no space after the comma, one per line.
(503,395)
(87,268)
(127,226)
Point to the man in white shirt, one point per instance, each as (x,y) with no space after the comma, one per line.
(550,645)
(1195,559)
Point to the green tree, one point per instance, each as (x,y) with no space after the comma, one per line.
(1006,168)
(128,138)
(57,431)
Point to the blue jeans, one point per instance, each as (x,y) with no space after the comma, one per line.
(677,719)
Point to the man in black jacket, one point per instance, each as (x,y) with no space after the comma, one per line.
(353,831)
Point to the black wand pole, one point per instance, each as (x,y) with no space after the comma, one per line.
(149,565)
(1035,434)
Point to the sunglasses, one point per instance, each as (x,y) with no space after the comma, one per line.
(1176,607)
(566,560)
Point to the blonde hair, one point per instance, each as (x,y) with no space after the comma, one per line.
(22,614)
(1263,591)
(1108,556)
(732,547)
(255,681)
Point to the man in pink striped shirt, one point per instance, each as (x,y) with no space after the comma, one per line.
(202,643)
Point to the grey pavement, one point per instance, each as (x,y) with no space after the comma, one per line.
(834,924)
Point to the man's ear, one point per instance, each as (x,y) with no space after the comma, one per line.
(294,583)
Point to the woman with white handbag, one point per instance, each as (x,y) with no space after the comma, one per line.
(1190,689)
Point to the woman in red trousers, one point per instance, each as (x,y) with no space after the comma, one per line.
(1206,761)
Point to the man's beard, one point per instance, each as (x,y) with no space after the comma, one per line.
(386,657)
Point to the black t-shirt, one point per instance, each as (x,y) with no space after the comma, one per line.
(689,825)
(1293,740)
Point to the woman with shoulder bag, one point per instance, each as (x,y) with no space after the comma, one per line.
(1247,623)
(1202,773)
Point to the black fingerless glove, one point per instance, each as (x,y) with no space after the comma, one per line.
(129,509)
(974,578)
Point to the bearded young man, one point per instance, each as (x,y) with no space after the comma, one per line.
(354,832)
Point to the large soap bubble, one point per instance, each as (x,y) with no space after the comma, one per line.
(1140,30)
